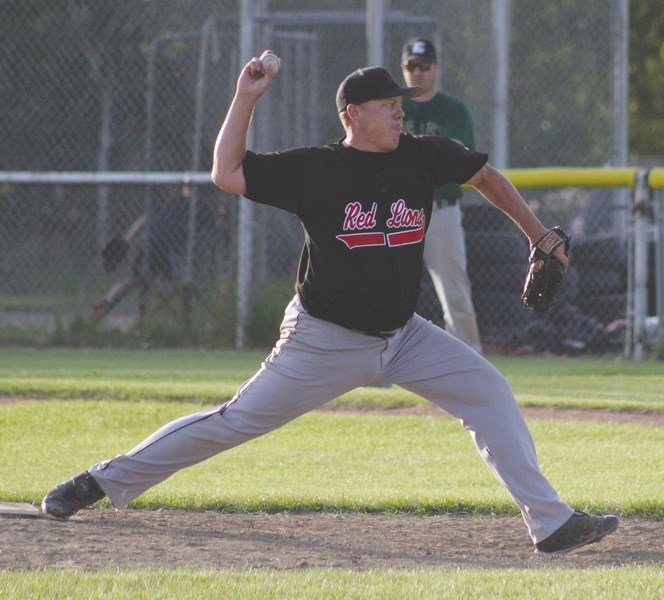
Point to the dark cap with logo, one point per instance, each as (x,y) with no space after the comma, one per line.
(418,48)
(370,83)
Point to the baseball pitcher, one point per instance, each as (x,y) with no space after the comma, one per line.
(365,204)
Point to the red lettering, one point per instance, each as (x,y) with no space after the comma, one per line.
(359,240)
(357,219)
(410,221)
(405,238)
(405,217)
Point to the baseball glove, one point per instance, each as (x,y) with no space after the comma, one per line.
(545,271)
(114,253)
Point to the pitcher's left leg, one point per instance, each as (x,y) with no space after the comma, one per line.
(436,366)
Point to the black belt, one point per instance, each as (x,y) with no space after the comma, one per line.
(443,202)
(381,334)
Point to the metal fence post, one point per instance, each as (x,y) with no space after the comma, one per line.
(375,25)
(500,30)
(638,270)
(658,201)
(248,12)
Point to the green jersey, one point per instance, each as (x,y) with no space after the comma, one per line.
(445,116)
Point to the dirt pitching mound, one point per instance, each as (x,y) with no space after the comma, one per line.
(129,539)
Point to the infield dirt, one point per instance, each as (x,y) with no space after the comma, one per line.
(130,539)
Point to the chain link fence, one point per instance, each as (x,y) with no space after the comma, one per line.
(135,87)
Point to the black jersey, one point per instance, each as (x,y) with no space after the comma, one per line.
(364,215)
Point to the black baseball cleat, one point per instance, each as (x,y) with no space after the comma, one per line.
(579,530)
(69,497)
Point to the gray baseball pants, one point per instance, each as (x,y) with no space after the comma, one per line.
(315,361)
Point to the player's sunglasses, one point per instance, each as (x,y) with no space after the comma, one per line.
(422,66)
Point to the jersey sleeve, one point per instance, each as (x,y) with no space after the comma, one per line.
(276,178)
(448,161)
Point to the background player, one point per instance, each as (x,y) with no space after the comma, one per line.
(364,203)
(435,113)
(160,245)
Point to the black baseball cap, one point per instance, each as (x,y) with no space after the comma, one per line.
(419,48)
(371,83)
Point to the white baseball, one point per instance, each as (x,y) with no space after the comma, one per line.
(271,63)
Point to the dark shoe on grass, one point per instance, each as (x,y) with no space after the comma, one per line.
(69,497)
(579,530)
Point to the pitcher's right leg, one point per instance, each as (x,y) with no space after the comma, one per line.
(313,362)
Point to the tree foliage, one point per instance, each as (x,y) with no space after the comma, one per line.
(646,78)
(74,69)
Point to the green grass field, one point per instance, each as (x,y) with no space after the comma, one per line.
(625,584)
(213,377)
(103,402)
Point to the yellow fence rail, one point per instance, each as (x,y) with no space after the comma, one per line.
(604,177)
(656,178)
(573,177)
